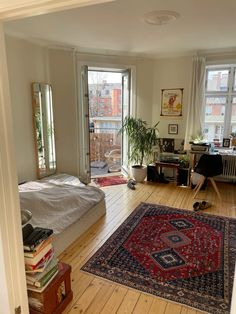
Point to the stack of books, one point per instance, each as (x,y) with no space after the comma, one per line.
(40,263)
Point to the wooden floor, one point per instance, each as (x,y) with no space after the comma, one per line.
(95,295)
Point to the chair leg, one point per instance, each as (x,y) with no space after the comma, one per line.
(199,186)
(215,188)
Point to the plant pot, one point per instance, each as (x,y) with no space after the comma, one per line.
(139,173)
(233,141)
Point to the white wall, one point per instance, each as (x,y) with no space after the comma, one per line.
(171,73)
(62,77)
(27,63)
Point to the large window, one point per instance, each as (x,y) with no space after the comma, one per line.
(220,102)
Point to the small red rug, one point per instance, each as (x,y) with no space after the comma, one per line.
(110,180)
(180,255)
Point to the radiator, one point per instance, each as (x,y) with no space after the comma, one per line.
(229,168)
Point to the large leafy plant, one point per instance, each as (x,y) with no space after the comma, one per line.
(141,139)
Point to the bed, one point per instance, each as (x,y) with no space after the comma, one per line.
(64,204)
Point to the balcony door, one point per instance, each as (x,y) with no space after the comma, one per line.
(104,103)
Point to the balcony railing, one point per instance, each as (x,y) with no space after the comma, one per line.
(102,141)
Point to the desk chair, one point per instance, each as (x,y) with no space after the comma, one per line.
(209,166)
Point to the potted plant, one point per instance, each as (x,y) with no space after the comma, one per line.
(183,172)
(141,138)
(233,138)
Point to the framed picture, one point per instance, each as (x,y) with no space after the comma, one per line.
(173,129)
(226,142)
(172,102)
(167,145)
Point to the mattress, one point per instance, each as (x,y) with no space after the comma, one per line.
(58,202)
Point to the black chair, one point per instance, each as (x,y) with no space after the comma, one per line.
(209,166)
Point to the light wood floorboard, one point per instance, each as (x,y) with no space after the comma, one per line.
(96,295)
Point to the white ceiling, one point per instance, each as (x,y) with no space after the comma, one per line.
(118,27)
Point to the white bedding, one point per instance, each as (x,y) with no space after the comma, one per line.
(57,205)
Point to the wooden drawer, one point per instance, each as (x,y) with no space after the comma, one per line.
(55,298)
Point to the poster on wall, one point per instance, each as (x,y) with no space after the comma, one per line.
(172,102)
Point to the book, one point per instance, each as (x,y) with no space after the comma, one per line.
(32,237)
(41,262)
(41,268)
(35,259)
(38,248)
(32,277)
(43,281)
(41,289)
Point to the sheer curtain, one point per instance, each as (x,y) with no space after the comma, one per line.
(195,117)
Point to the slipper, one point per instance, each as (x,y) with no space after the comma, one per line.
(131,185)
(133,181)
(196,206)
(205,205)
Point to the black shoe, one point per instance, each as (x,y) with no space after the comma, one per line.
(132,181)
(131,185)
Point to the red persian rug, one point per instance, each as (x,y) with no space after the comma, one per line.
(110,180)
(179,255)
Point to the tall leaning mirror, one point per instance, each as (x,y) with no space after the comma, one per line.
(43,129)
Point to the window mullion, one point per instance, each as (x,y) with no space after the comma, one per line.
(228,108)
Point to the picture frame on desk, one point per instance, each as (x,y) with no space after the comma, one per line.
(226,142)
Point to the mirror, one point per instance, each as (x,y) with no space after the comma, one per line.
(43,129)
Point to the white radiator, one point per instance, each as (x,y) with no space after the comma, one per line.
(229,168)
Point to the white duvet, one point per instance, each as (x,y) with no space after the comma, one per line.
(57,205)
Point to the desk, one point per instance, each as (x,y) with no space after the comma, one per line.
(229,163)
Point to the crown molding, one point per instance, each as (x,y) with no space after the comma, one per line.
(15,9)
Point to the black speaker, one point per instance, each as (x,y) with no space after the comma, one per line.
(152,174)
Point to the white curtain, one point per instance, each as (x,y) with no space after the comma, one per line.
(195,117)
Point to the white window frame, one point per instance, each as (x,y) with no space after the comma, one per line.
(229,94)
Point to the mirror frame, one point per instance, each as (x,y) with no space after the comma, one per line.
(43,126)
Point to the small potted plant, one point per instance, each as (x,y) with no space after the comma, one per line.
(233,138)
(141,138)
(183,172)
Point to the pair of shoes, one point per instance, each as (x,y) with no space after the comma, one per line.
(205,205)
(201,205)
(131,184)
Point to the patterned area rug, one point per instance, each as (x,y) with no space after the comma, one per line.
(110,180)
(180,255)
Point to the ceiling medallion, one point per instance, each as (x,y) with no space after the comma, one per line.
(161,17)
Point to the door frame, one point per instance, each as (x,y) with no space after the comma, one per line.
(106,66)
(12,269)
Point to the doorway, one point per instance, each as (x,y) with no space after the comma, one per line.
(105,120)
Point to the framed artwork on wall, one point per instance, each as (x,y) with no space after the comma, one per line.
(172,128)
(172,102)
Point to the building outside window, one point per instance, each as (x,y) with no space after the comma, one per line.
(220,102)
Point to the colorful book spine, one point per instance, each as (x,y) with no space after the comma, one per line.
(39,248)
(41,262)
(42,282)
(34,260)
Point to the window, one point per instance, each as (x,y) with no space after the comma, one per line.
(220,102)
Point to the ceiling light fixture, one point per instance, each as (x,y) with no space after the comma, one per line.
(161,17)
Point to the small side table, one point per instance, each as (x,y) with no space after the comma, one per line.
(57,295)
(160,165)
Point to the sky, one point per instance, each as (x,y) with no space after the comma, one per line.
(110,77)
